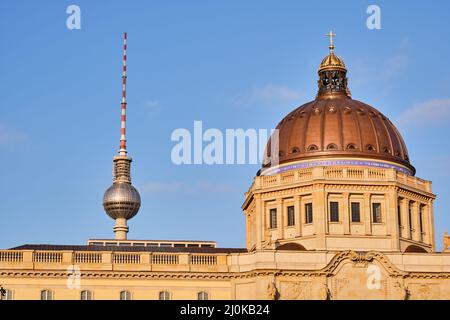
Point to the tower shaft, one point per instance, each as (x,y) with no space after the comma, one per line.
(123,141)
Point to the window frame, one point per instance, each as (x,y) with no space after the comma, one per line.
(9,295)
(164,295)
(309,214)
(202,294)
(334,216)
(127,296)
(354,214)
(89,295)
(290,216)
(421,232)
(377,217)
(273,219)
(48,295)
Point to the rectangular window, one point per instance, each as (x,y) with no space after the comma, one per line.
(356,212)
(290,216)
(334,211)
(376,212)
(273,218)
(46,295)
(164,295)
(308,213)
(202,296)
(86,295)
(399,215)
(7,295)
(125,295)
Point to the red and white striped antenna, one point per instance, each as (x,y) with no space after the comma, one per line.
(123,141)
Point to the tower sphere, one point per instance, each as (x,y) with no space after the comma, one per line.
(121,200)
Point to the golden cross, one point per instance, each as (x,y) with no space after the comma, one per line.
(331,35)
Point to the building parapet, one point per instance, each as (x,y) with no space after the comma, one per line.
(195,262)
(107,260)
(350,173)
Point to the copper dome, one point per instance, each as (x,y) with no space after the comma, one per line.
(336,126)
(340,127)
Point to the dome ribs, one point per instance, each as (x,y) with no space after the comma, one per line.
(357,132)
(308,111)
(313,126)
(332,129)
(383,138)
(340,127)
(391,142)
(294,137)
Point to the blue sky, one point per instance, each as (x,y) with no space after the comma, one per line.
(231,64)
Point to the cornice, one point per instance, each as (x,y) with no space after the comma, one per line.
(330,270)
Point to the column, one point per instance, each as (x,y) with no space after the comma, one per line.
(320,220)
(298,216)
(346,212)
(392,219)
(430,228)
(259,221)
(280,219)
(415,218)
(367,213)
(405,222)
(388,213)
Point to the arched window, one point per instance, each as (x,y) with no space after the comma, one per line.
(46,295)
(294,150)
(125,295)
(202,296)
(312,147)
(351,146)
(86,295)
(370,147)
(7,295)
(164,295)
(332,146)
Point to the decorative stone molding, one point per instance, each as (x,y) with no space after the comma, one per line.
(414,195)
(362,258)
(329,270)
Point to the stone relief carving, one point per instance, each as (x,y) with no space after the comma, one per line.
(339,284)
(267,239)
(325,293)
(400,292)
(271,291)
(424,291)
(354,282)
(296,290)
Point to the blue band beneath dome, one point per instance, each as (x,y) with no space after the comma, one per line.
(320,163)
